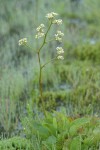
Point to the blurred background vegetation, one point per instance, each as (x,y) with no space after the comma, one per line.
(73,83)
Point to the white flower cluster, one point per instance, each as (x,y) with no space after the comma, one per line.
(22,41)
(58,36)
(40,31)
(60,57)
(58,22)
(60,51)
(51,15)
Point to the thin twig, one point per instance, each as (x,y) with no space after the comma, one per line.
(49,62)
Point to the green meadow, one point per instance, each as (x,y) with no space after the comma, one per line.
(70,87)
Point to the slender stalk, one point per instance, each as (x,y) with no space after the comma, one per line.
(40,69)
(47,31)
(31,48)
(50,40)
(44,41)
(48,62)
(40,84)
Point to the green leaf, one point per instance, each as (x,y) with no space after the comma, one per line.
(41,130)
(51,129)
(77,124)
(75,144)
(94,139)
(63,122)
(96,130)
(51,140)
(55,123)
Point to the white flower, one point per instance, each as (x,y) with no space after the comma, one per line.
(58,22)
(40,31)
(42,25)
(51,15)
(58,36)
(60,33)
(60,57)
(39,35)
(40,28)
(54,14)
(22,41)
(59,50)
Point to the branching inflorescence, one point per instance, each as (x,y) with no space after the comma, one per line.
(41,32)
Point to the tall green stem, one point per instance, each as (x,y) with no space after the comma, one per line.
(40,69)
(40,84)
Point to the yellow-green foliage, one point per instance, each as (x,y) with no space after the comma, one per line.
(15,143)
(59,132)
(79,79)
(79,86)
(88,51)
